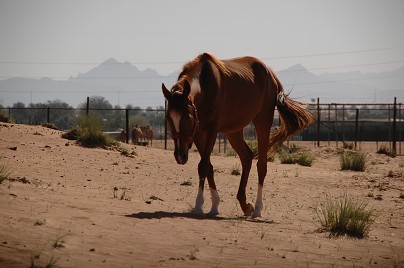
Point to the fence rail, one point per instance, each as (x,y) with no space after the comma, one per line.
(336,122)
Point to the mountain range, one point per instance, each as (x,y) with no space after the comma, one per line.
(123,83)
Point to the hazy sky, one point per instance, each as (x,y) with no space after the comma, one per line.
(58,39)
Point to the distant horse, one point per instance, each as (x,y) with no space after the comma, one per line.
(136,135)
(147,134)
(212,96)
(122,136)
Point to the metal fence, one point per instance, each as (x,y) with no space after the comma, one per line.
(337,122)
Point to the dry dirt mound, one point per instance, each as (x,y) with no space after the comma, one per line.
(79,207)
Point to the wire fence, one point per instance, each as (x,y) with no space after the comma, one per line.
(342,123)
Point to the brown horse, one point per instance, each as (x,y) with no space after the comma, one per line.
(147,134)
(136,135)
(213,96)
(122,136)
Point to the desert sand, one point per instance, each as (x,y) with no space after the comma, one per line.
(90,207)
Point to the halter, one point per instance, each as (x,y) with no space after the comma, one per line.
(176,135)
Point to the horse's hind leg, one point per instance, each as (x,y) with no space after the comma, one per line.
(246,155)
(263,130)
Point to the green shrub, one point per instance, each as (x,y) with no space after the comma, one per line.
(3,117)
(286,157)
(90,132)
(353,160)
(305,159)
(345,216)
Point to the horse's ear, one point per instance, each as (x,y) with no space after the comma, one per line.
(166,92)
(187,89)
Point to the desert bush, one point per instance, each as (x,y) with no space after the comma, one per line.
(345,216)
(286,157)
(305,159)
(353,160)
(3,117)
(90,132)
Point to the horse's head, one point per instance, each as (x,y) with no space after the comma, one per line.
(182,118)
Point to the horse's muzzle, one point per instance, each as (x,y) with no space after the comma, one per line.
(181,157)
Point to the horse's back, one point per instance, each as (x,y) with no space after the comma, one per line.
(245,92)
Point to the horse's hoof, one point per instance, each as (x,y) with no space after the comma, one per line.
(248,210)
(256,214)
(213,212)
(198,211)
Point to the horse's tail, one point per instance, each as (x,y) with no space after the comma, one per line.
(293,117)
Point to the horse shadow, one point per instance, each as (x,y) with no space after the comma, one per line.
(157,215)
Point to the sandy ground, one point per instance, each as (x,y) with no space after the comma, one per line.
(78,207)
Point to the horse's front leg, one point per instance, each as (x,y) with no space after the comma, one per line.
(205,170)
(198,209)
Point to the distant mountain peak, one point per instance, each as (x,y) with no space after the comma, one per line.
(110,61)
(297,68)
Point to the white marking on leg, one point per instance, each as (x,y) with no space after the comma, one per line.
(176,117)
(258,204)
(199,202)
(215,202)
(195,86)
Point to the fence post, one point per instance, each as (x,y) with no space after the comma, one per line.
(48,116)
(127,125)
(318,122)
(394,151)
(165,125)
(336,125)
(356,126)
(329,124)
(400,129)
(88,105)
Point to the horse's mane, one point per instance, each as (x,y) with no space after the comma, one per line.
(228,68)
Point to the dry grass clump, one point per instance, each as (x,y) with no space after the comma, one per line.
(4,171)
(353,160)
(305,159)
(293,157)
(345,216)
(89,133)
